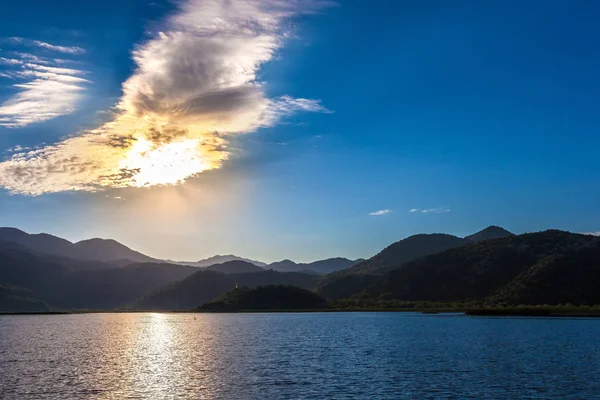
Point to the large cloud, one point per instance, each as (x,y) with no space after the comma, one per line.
(195,84)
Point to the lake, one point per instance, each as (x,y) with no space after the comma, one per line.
(298,356)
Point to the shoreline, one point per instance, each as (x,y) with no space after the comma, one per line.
(575,312)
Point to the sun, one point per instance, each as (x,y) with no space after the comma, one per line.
(165,164)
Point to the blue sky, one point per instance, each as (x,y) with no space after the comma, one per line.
(477,112)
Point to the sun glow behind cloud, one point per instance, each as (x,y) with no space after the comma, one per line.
(195,85)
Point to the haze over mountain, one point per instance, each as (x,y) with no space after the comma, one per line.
(321,267)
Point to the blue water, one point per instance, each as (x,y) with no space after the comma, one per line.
(298,356)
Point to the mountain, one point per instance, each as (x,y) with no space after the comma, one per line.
(491,232)
(205,285)
(106,250)
(220,260)
(548,267)
(92,249)
(347,282)
(235,267)
(319,267)
(40,242)
(265,298)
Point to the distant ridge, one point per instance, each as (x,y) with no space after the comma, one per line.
(219,259)
(235,267)
(320,267)
(104,250)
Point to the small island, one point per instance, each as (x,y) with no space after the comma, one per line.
(265,298)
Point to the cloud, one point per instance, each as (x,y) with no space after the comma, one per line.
(591,233)
(44,91)
(437,210)
(45,45)
(195,85)
(381,212)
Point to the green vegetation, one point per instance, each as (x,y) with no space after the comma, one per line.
(265,298)
(14,299)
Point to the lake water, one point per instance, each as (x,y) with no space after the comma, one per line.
(298,356)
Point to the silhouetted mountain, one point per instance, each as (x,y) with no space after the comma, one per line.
(14,299)
(206,285)
(235,267)
(207,262)
(284,266)
(70,284)
(107,250)
(320,267)
(92,249)
(539,268)
(265,298)
(491,232)
(40,242)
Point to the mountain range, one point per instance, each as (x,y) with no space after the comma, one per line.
(116,254)
(43,272)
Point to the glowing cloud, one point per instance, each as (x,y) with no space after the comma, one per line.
(195,85)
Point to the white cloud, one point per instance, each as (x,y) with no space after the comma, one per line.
(195,84)
(44,45)
(43,92)
(591,233)
(61,49)
(437,210)
(381,212)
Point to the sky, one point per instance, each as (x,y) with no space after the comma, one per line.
(297,129)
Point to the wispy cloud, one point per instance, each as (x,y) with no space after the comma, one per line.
(45,45)
(44,90)
(437,210)
(194,86)
(591,233)
(381,212)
